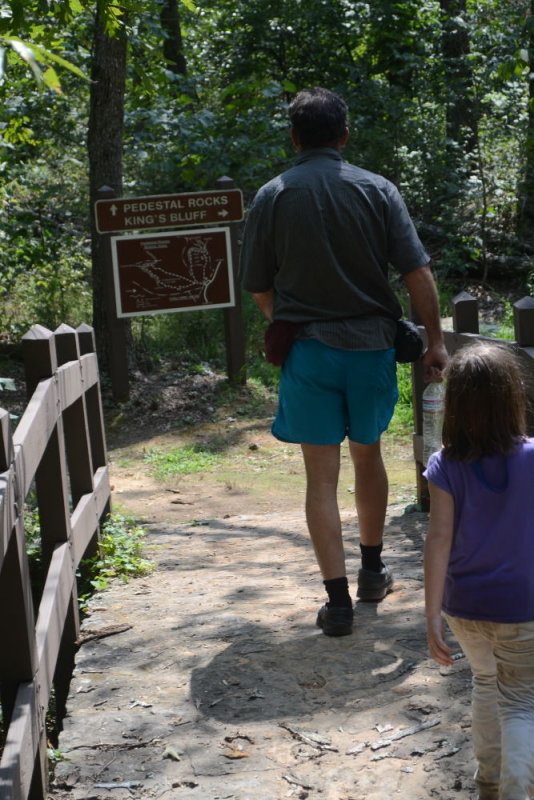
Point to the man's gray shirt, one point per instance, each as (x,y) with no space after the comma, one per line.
(323,235)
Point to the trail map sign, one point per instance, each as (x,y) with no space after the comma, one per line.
(187,270)
(169,210)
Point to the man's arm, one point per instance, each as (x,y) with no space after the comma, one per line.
(424,296)
(265,302)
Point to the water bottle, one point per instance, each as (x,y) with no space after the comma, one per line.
(433,408)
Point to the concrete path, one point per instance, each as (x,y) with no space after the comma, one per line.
(209,680)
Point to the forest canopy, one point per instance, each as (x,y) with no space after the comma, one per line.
(440,96)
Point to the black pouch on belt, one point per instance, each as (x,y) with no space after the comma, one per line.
(408,342)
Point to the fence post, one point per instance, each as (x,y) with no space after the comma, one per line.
(423,498)
(40,361)
(524,322)
(117,345)
(95,414)
(79,461)
(16,627)
(62,459)
(465,313)
(234,329)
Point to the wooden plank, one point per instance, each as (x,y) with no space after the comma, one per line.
(53,609)
(6,441)
(89,370)
(86,516)
(66,659)
(8,514)
(31,436)
(70,384)
(16,627)
(22,744)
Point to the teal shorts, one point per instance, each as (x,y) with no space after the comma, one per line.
(327,394)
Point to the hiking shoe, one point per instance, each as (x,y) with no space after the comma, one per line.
(374,585)
(335,620)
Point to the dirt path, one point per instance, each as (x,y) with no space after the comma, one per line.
(219,685)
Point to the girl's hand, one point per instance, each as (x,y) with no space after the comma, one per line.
(438,648)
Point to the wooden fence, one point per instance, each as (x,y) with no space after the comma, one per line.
(465,326)
(58,450)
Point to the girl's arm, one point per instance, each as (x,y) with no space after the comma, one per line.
(436,558)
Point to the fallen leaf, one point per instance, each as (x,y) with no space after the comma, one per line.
(235,753)
(171,754)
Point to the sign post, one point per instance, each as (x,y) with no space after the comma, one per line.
(234,330)
(117,344)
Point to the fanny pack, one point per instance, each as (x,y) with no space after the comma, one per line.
(279,338)
(408,343)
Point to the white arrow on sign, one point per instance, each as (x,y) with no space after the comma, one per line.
(223,213)
(113,209)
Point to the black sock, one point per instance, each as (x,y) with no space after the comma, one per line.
(338,592)
(371,557)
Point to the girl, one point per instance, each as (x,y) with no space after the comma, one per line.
(479,560)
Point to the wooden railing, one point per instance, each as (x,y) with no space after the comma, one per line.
(465,329)
(58,450)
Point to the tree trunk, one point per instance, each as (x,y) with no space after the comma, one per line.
(526,207)
(462,116)
(104,144)
(172,37)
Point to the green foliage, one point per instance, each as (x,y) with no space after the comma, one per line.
(184,460)
(119,556)
(402,422)
(228,115)
(119,553)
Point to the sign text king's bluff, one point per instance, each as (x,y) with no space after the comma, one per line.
(169,210)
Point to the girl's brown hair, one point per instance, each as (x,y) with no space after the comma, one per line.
(485,402)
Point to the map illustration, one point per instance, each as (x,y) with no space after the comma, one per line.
(176,271)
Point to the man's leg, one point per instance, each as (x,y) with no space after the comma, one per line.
(324,524)
(371,492)
(322,511)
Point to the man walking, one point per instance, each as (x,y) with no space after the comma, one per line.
(317,246)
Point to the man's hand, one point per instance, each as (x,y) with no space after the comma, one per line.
(435,358)
(424,296)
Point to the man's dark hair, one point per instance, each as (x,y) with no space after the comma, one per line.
(319,117)
(485,402)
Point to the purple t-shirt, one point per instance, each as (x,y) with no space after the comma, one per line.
(491,566)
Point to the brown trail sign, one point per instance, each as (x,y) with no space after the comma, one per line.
(169,210)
